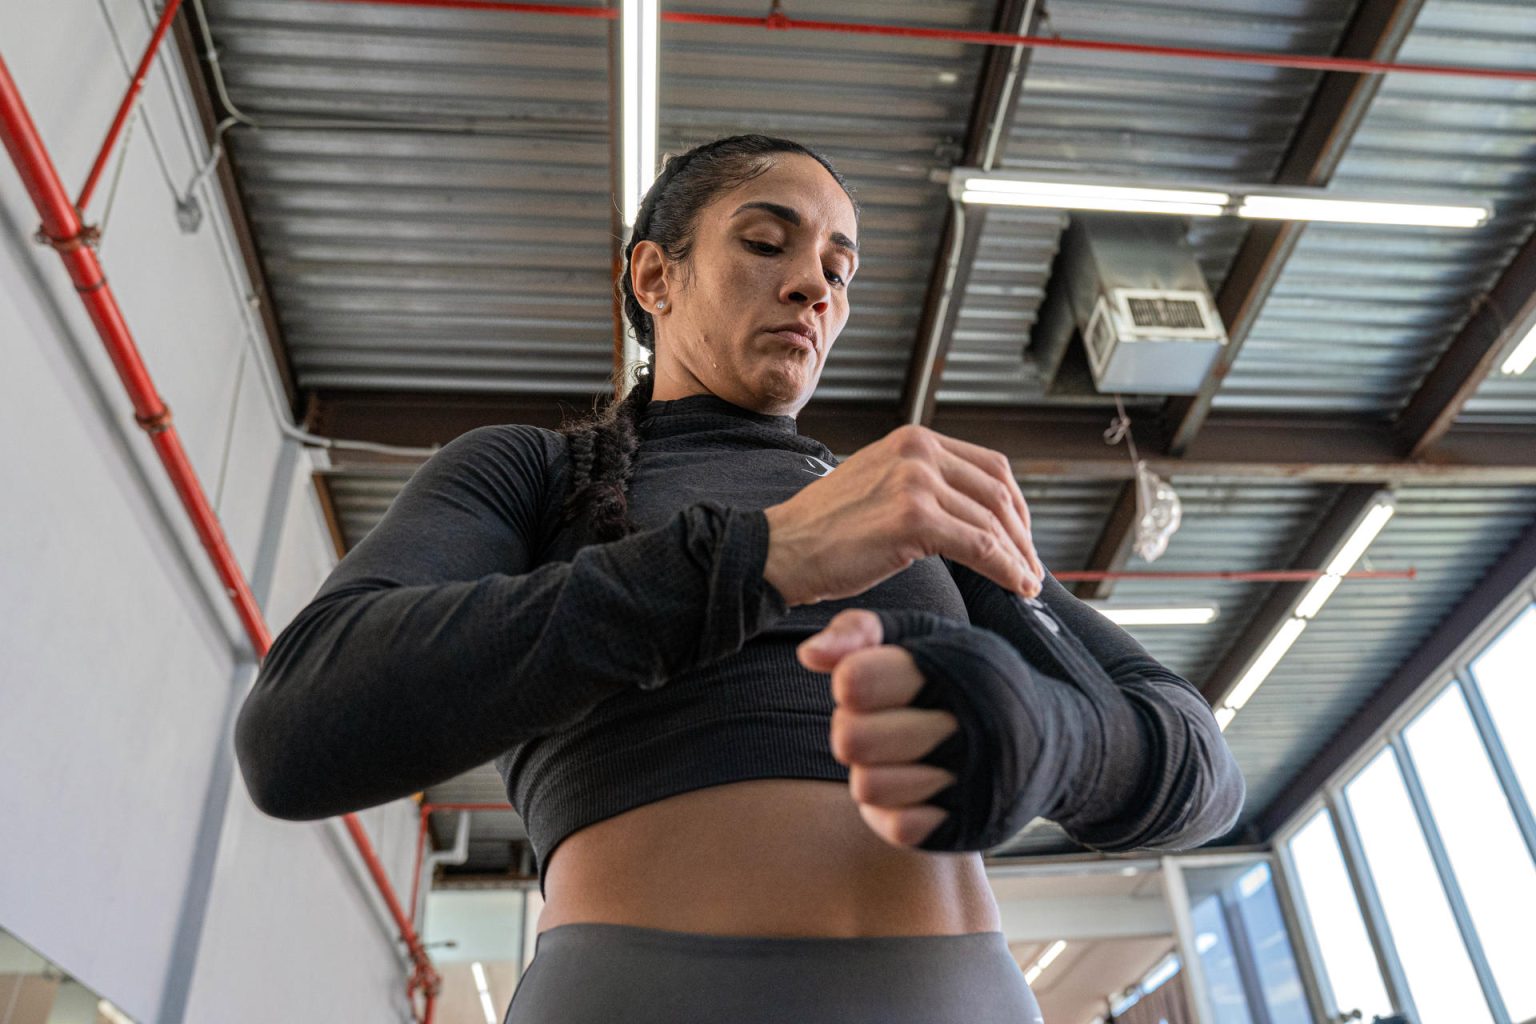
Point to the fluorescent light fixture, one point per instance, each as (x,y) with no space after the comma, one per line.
(1265,663)
(973,185)
(1046,959)
(1161,972)
(1172,615)
(1321,590)
(1114,205)
(485,994)
(1522,357)
(111,1013)
(1370,526)
(1061,195)
(1358,211)
(1382,508)
(641,29)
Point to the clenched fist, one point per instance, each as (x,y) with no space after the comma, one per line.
(875,732)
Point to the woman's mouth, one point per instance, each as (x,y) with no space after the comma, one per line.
(798,340)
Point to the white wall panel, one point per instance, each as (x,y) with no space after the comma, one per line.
(131,854)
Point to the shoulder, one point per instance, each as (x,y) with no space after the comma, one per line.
(504,465)
(521,447)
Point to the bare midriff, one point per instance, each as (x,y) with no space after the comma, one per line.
(765,857)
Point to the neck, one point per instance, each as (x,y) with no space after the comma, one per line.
(667,389)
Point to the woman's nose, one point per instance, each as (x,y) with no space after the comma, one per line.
(812,289)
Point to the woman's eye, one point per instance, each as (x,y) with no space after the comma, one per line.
(769,249)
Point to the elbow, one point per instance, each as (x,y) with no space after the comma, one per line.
(273,778)
(1196,795)
(1215,791)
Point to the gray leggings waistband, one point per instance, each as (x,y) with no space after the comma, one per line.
(592,973)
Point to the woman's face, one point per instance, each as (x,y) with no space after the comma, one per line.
(776,251)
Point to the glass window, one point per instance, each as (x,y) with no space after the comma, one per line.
(1271,946)
(1504,675)
(1223,983)
(1435,961)
(1488,855)
(1349,965)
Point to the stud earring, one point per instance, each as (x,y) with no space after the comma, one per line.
(661,303)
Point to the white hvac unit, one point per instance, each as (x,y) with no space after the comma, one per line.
(1141,304)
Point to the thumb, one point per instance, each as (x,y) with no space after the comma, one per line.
(851,630)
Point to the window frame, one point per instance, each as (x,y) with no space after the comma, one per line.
(1455,671)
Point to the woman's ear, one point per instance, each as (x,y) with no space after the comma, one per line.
(648,274)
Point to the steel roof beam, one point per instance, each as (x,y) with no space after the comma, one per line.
(1042,443)
(1509,308)
(992,116)
(1113,549)
(1338,107)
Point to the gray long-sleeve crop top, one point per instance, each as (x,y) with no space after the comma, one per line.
(470,625)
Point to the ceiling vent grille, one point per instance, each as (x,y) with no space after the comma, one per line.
(1140,303)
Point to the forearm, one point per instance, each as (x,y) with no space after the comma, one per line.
(372,695)
(1151,768)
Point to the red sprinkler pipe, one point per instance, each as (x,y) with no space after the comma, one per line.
(62,229)
(134,88)
(780,21)
(421,847)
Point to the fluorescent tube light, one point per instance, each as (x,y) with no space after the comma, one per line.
(1322,589)
(1366,531)
(1112,205)
(1062,195)
(111,1013)
(1370,526)
(1265,663)
(1522,357)
(1193,615)
(1160,973)
(1046,959)
(1356,211)
(974,185)
(485,994)
(641,24)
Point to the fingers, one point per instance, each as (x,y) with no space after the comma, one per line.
(902,826)
(877,678)
(894,736)
(993,514)
(986,466)
(850,630)
(897,785)
(968,533)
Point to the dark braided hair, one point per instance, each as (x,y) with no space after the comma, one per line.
(603,444)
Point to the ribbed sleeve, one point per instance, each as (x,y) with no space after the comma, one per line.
(1150,768)
(433,646)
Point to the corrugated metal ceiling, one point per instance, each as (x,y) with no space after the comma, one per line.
(1134,117)
(1360,314)
(414,259)
(1451,537)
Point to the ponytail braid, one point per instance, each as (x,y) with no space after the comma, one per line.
(603,444)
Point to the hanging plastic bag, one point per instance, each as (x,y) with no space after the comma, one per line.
(1158,513)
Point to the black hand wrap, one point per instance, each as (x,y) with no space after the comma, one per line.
(1015,750)
(1119,751)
